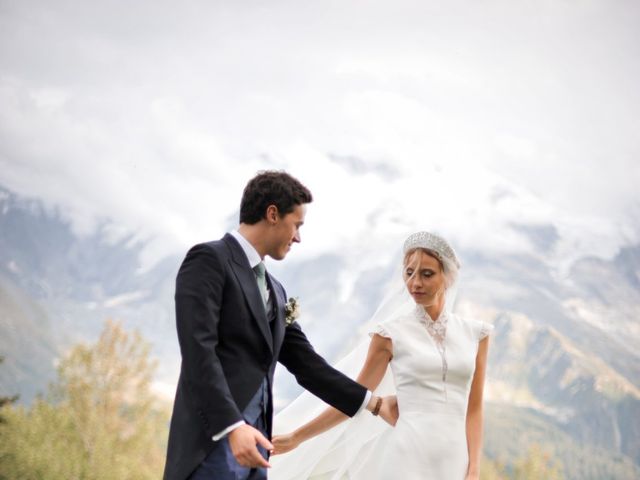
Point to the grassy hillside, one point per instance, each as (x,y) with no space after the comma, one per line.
(511,431)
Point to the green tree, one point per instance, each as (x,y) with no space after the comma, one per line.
(492,470)
(5,400)
(100,420)
(537,464)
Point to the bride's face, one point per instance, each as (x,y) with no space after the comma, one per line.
(424,278)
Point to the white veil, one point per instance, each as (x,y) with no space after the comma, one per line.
(344,450)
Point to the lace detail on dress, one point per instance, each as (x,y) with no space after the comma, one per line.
(380,330)
(485,330)
(438,331)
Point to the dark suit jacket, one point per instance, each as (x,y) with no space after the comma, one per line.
(228,348)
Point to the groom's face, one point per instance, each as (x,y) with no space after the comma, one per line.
(285,232)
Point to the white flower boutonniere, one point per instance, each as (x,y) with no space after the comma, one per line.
(291,311)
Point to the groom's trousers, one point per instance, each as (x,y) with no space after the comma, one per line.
(220,464)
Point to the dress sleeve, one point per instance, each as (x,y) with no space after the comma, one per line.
(485,329)
(380,330)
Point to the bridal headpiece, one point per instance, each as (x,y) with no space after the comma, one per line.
(434,243)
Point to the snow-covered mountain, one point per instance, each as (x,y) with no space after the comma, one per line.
(57,288)
(564,370)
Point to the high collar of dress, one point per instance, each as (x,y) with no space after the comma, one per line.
(422,313)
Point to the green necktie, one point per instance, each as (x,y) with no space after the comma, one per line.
(261,277)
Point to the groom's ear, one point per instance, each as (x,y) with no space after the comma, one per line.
(272,214)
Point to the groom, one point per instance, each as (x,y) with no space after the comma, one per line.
(230,317)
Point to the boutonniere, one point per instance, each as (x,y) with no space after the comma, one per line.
(291,311)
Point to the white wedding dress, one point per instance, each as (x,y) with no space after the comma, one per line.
(431,379)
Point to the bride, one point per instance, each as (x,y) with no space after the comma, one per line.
(437,362)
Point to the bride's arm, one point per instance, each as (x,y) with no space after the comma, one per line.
(474,411)
(375,366)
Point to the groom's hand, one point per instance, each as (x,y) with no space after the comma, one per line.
(243,441)
(389,410)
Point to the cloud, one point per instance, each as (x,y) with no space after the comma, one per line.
(460,117)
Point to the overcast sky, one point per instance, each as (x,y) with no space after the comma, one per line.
(473,118)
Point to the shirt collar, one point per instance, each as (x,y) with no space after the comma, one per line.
(249,250)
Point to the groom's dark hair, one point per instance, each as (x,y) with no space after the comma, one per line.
(271,187)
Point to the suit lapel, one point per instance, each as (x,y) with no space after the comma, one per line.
(247,279)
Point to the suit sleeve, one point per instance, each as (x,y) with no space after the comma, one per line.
(198,298)
(314,374)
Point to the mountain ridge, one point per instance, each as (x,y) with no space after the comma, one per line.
(578,373)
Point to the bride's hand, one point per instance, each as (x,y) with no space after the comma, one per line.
(389,410)
(284,443)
